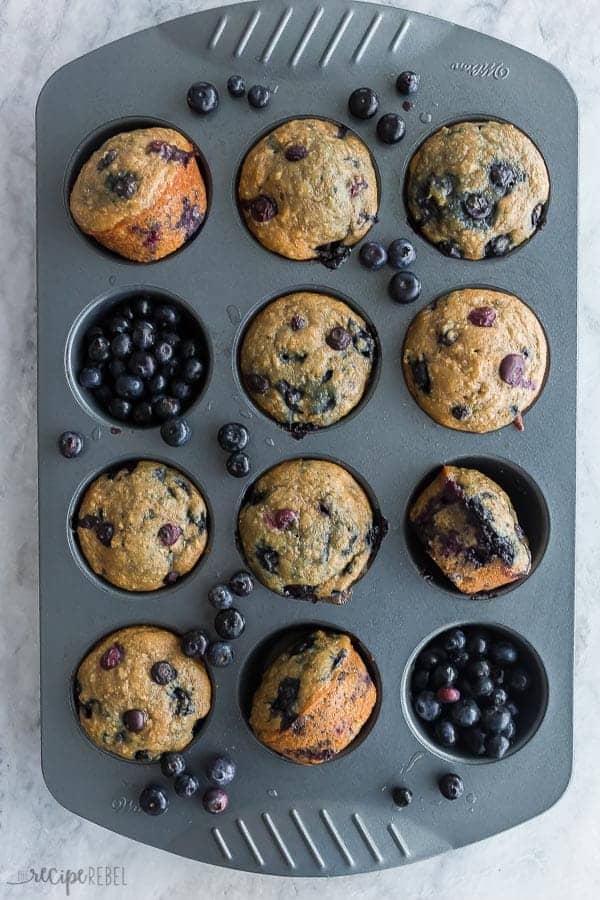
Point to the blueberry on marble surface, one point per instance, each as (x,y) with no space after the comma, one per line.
(402,797)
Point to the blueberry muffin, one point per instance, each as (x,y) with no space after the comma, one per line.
(477,189)
(137,694)
(308,190)
(143,526)
(475,359)
(469,528)
(306,360)
(307,530)
(313,699)
(141,194)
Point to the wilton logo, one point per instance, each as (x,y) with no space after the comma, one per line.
(496,70)
(97,876)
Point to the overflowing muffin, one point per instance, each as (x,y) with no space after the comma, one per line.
(468,526)
(143,526)
(141,193)
(477,189)
(306,360)
(475,359)
(313,699)
(307,530)
(308,190)
(139,696)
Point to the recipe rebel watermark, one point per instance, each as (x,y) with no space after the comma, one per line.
(90,876)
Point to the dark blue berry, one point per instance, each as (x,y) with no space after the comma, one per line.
(454,640)
(162,672)
(479,668)
(221,770)
(176,432)
(498,246)
(402,797)
(203,97)
(181,390)
(443,675)
(497,745)
(475,740)
(233,436)
(391,128)
(166,408)
(158,385)
(154,800)
(498,697)
(407,82)
(188,348)
(504,653)
(259,96)
(120,346)
(129,387)
(241,584)
(363,103)
(99,349)
(71,444)
(142,307)
(219,654)
(170,337)
(238,465)
(220,597)
(427,707)
(445,732)
(118,324)
(172,764)
(430,658)
(167,315)
(458,658)
(192,369)
(236,85)
(120,408)
(405,287)
(142,364)
(420,680)
(482,687)
(477,644)
(90,377)
(451,786)
(186,785)
(143,335)
(401,254)
(229,624)
(215,801)
(194,643)
(519,680)
(163,351)
(495,719)
(510,730)
(512,708)
(142,413)
(466,712)
(372,255)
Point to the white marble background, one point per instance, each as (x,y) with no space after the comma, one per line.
(555,856)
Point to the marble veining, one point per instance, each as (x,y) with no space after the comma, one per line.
(553,857)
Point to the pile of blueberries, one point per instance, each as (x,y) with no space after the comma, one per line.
(220,772)
(463,689)
(145,363)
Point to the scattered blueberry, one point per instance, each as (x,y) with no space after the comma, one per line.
(372,255)
(203,97)
(172,764)
(451,786)
(236,85)
(402,797)
(176,432)
(241,584)
(401,253)
(259,96)
(219,654)
(363,103)
(407,82)
(220,597)
(186,785)
(391,128)
(71,444)
(233,436)
(221,770)
(215,801)
(229,624)
(154,800)
(195,643)
(238,465)
(405,287)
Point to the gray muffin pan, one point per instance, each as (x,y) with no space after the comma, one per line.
(336,818)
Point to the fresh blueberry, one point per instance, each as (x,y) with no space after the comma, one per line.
(407,82)
(363,103)
(219,654)
(99,349)
(142,364)
(233,436)
(221,770)
(167,315)
(142,413)
(401,253)
(391,128)
(229,624)
(445,732)
(176,432)
(203,97)
(479,668)
(372,255)
(220,597)
(519,680)
(466,712)
(482,687)
(451,786)
(120,408)
(444,674)
(259,96)
(186,785)
(181,390)
(475,740)
(215,801)
(503,653)
(71,444)
(236,85)
(241,584)
(154,800)
(166,408)
(454,640)
(158,385)
(194,643)
(163,672)
(170,337)
(402,797)
(163,351)
(458,658)
(430,658)
(172,764)
(188,348)
(498,697)
(497,746)
(142,307)
(405,287)
(129,387)
(510,730)
(90,377)
(420,680)
(193,369)
(120,346)
(118,324)
(495,719)
(477,644)
(143,335)
(427,706)
(238,465)
(512,708)
(497,674)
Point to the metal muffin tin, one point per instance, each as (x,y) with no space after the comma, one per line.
(336,818)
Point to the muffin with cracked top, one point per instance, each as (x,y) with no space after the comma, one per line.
(143,526)
(477,189)
(475,359)
(306,360)
(314,699)
(139,696)
(141,194)
(308,190)
(307,530)
(469,528)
